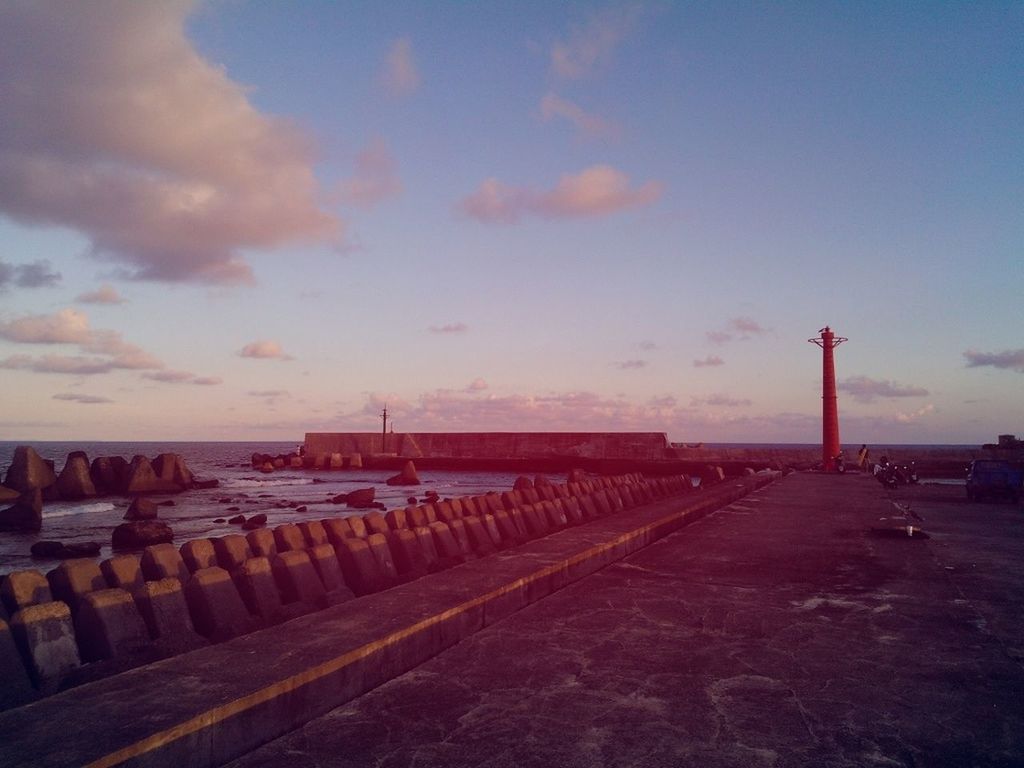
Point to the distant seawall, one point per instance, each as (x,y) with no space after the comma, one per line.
(636,446)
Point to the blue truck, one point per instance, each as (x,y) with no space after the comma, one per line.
(994,479)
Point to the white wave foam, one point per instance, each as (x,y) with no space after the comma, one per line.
(78,509)
(245,482)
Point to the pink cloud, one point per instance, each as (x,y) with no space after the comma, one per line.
(399,75)
(264,349)
(737,329)
(596,191)
(590,126)
(592,44)
(865,389)
(476,385)
(1008,359)
(105,294)
(79,398)
(449,328)
(144,146)
(628,365)
(709,362)
(72,364)
(720,400)
(375,177)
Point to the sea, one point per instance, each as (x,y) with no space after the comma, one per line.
(203,513)
(241,490)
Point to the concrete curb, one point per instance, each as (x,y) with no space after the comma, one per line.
(211,705)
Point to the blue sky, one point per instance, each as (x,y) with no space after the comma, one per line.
(235,220)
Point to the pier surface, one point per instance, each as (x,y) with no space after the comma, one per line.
(796,625)
(788,629)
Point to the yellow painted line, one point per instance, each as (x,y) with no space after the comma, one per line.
(294,682)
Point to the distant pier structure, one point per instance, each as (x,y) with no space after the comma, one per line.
(828,341)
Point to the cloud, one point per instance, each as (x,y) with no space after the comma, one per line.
(907,418)
(596,191)
(711,361)
(399,75)
(264,350)
(70,326)
(590,126)
(476,385)
(105,294)
(182,377)
(720,400)
(270,395)
(78,398)
(865,390)
(375,177)
(592,44)
(115,126)
(627,365)
(647,346)
(1009,359)
(449,328)
(737,329)
(35,275)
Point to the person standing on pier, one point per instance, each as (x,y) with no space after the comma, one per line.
(862,458)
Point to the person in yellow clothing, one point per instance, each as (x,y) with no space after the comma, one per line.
(862,458)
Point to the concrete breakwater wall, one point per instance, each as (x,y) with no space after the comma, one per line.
(647,446)
(85,620)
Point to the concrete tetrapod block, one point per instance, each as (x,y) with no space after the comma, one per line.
(407,553)
(298,580)
(493,533)
(458,529)
(479,538)
(217,610)
(510,499)
(15,684)
(518,519)
(448,550)
(164,610)
(314,533)
(358,525)
(604,506)
(325,560)
(258,589)
(396,519)
(163,561)
(507,529)
(45,636)
(536,520)
(337,528)
(359,566)
(555,514)
(108,625)
(378,544)
(289,538)
(588,507)
(573,513)
(198,554)
(231,550)
(627,496)
(123,572)
(469,506)
(458,507)
(417,516)
(493,503)
(375,523)
(445,513)
(262,543)
(24,588)
(426,541)
(73,579)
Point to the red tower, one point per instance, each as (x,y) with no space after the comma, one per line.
(829,402)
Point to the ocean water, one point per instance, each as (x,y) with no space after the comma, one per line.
(194,512)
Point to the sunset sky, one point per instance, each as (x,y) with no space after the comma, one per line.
(248,220)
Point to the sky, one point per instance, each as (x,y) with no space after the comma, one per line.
(232,220)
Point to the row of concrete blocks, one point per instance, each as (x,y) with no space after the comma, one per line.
(85,619)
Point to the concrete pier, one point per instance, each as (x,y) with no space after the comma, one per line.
(793,625)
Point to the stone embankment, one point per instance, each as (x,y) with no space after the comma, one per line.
(31,480)
(85,620)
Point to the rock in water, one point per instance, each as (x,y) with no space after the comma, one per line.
(407,476)
(361,498)
(74,481)
(141,533)
(141,509)
(522,484)
(29,471)
(171,467)
(62,551)
(26,514)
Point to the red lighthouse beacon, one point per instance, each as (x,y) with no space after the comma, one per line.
(828,341)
